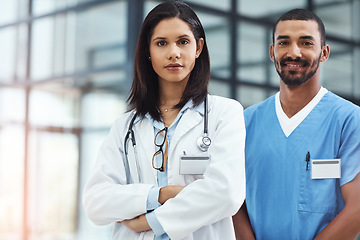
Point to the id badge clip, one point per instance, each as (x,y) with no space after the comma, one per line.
(325,168)
(193,164)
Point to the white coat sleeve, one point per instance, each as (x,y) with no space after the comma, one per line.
(106,197)
(222,190)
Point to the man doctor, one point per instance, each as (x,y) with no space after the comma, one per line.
(302,147)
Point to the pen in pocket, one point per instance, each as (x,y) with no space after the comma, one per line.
(307,160)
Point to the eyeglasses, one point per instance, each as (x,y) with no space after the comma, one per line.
(159,141)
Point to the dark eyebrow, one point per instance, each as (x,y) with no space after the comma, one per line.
(159,38)
(163,38)
(308,37)
(183,36)
(302,37)
(282,37)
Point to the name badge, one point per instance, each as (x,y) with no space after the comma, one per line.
(193,164)
(325,168)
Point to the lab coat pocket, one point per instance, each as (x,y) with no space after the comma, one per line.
(193,164)
(192,167)
(317,195)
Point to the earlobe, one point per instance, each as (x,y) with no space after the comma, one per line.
(325,53)
(199,47)
(272,52)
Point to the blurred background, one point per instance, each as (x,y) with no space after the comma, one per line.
(65,72)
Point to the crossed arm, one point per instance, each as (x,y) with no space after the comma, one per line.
(140,224)
(346,225)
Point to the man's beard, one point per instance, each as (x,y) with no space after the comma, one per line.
(289,78)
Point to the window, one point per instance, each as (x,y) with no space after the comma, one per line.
(66,70)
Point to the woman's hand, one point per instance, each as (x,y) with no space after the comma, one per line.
(138,224)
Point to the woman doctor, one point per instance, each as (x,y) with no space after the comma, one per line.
(184,178)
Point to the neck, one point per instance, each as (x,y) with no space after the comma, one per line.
(170,94)
(295,98)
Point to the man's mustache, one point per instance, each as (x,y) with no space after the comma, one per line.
(296,60)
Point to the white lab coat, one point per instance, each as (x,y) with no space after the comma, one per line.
(203,209)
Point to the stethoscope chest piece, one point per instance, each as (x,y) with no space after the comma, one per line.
(203,143)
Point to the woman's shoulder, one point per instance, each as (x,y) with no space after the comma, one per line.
(223,102)
(124,117)
(122,122)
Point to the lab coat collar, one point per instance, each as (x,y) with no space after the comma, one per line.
(190,105)
(199,108)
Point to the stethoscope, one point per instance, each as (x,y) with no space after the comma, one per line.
(131,136)
(203,142)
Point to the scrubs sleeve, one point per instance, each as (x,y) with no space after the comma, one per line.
(106,196)
(349,151)
(221,191)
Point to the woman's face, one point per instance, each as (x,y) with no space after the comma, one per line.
(173,50)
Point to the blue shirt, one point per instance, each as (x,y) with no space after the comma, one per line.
(152,202)
(283,202)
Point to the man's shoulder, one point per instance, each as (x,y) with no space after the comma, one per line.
(261,107)
(340,105)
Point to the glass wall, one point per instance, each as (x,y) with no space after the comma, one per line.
(65,76)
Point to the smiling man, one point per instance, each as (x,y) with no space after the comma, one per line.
(302,146)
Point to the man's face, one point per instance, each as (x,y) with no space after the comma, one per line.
(297,51)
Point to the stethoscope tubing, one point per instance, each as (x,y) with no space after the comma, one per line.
(206,116)
(130,135)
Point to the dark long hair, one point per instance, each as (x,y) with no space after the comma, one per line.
(303,15)
(144,94)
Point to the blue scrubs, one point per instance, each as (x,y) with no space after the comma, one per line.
(283,202)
